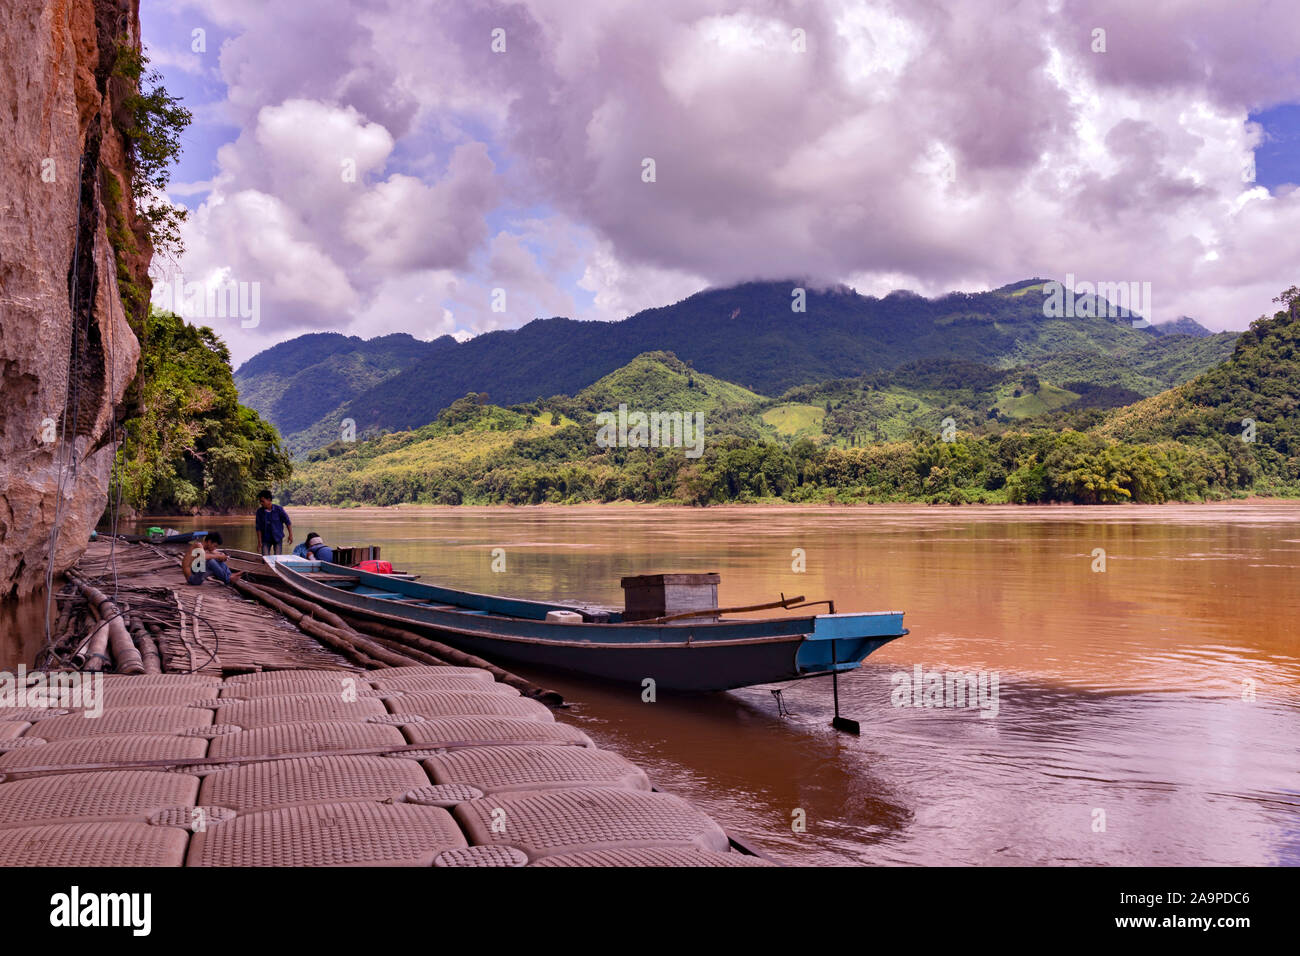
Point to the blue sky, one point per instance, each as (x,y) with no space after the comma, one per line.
(167,32)
(1277,159)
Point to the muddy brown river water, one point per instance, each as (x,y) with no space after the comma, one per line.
(1147,713)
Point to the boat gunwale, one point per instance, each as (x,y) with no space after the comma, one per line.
(325,592)
(285,562)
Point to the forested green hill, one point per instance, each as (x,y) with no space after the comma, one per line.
(1032,442)
(748,335)
(1246,409)
(302,385)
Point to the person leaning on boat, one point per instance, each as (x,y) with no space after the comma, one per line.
(272,524)
(314,549)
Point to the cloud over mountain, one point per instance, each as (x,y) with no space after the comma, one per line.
(930,145)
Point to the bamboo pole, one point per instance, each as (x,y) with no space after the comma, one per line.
(65,614)
(63,637)
(147,646)
(49,652)
(194,621)
(82,622)
(348,643)
(185,641)
(399,648)
(317,611)
(454,656)
(155,634)
(92,657)
(125,657)
(324,614)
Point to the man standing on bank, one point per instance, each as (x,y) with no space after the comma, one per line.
(272,523)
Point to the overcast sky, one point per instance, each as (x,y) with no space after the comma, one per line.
(924,145)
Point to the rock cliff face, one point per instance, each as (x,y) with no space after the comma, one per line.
(67,351)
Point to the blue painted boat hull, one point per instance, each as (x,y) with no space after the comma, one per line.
(710,656)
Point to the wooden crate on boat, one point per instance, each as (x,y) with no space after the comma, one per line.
(648,596)
(351,555)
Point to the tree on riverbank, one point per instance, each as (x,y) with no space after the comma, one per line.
(192,446)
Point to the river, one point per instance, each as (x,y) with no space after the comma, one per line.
(1148,665)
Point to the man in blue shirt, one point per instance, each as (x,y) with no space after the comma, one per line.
(272,524)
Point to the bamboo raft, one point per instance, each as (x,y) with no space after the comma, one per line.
(226,732)
(208,629)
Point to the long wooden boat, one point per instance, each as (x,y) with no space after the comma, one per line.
(177,538)
(684,655)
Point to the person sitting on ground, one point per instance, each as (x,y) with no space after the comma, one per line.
(272,524)
(205,558)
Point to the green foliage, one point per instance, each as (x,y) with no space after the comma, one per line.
(305,384)
(663,382)
(1254,394)
(135,300)
(792,419)
(1143,366)
(747,339)
(191,445)
(152,128)
(1184,444)
(498,457)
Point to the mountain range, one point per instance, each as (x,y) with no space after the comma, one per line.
(749,335)
(935,430)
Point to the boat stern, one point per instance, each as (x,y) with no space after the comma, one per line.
(841,642)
